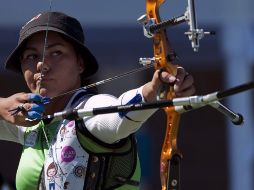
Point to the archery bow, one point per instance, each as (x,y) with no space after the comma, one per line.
(163,59)
(170,156)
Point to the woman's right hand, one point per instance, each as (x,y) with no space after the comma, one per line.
(22,108)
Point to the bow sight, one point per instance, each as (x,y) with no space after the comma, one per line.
(194,34)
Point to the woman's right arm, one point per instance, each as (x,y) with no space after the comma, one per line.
(10,125)
(11,132)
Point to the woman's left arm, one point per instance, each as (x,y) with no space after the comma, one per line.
(112,127)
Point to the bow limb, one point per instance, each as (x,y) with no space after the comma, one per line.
(163,60)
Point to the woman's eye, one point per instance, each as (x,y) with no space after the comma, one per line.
(30,57)
(56,53)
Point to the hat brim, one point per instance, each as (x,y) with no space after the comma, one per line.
(13,61)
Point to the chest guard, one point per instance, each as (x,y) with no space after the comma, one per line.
(110,166)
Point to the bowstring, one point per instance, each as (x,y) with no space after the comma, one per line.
(42,75)
(43,60)
(45,44)
(106,80)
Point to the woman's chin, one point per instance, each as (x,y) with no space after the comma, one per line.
(47,92)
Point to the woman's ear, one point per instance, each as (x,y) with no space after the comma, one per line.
(81,64)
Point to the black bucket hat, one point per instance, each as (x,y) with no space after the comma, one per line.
(57,22)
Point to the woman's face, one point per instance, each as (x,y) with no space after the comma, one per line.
(61,69)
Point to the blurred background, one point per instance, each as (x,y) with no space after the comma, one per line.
(216,154)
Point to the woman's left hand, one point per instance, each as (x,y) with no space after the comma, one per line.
(183,84)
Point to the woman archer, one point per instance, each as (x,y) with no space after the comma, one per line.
(96,152)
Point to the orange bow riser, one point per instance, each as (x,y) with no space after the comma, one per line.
(164,60)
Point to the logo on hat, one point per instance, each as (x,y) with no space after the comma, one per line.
(34,18)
